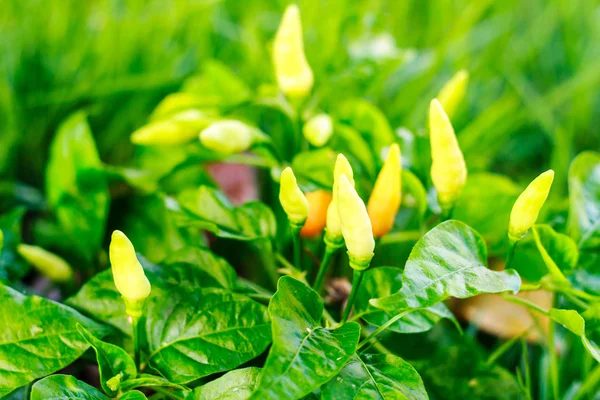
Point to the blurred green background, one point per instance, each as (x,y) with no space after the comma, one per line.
(532,103)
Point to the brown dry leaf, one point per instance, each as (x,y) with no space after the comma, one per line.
(494,315)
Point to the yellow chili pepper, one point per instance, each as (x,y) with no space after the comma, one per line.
(385,198)
(294,76)
(128,273)
(356,225)
(333,234)
(527,207)
(177,129)
(1,240)
(454,92)
(448,169)
(318,130)
(318,202)
(49,264)
(228,137)
(292,199)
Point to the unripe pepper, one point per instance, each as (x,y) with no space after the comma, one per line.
(318,130)
(453,92)
(527,207)
(229,137)
(49,264)
(128,273)
(294,76)
(356,225)
(292,199)
(178,129)
(386,195)
(333,234)
(318,202)
(448,168)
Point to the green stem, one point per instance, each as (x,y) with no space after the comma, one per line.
(329,252)
(135,320)
(591,381)
(297,246)
(499,352)
(553,361)
(526,303)
(134,309)
(447,213)
(510,252)
(356,280)
(383,327)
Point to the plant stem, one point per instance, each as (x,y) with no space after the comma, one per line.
(447,213)
(329,252)
(499,352)
(356,280)
(297,246)
(526,303)
(591,381)
(553,361)
(136,340)
(134,309)
(510,252)
(383,327)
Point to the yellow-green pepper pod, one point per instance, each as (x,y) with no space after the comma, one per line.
(356,225)
(180,128)
(454,92)
(1,240)
(333,228)
(318,130)
(387,193)
(527,207)
(49,264)
(292,199)
(128,273)
(228,137)
(448,168)
(294,76)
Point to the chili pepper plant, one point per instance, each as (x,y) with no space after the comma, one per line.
(357,263)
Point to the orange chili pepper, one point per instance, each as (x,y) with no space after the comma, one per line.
(318,202)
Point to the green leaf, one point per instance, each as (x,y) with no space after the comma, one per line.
(209,209)
(99,299)
(113,361)
(461,372)
(559,252)
(584,200)
(187,269)
(349,141)
(62,387)
(206,331)
(150,381)
(234,385)
(59,387)
(217,86)
(449,261)
(197,267)
(375,376)
(485,204)
(304,355)
(369,121)
(575,323)
(38,338)
(544,251)
(11,266)
(384,281)
(151,228)
(315,168)
(76,187)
